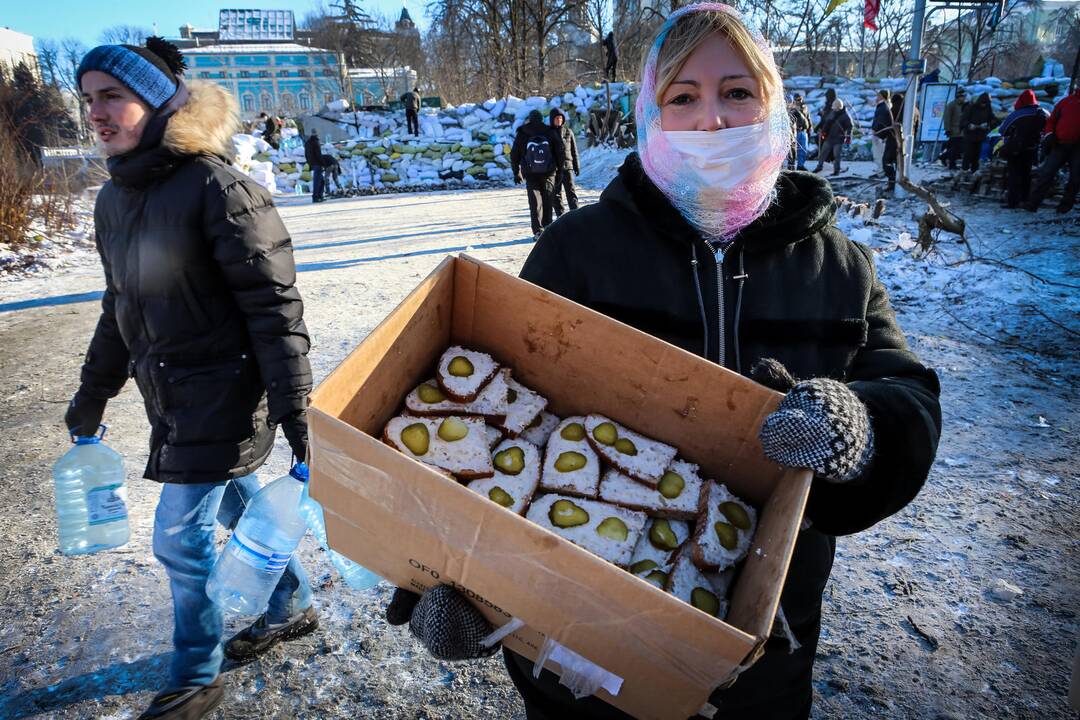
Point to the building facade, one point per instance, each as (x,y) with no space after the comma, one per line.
(16,48)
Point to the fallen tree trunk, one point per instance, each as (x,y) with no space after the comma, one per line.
(937,216)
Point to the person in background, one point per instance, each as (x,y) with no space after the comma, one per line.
(680,237)
(411,101)
(537,154)
(837,132)
(953,122)
(880,127)
(612,59)
(1020,133)
(201,309)
(313,156)
(564,178)
(883,134)
(271,130)
(977,121)
(1063,138)
(331,172)
(800,123)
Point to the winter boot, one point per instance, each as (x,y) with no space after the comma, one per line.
(261,635)
(187,703)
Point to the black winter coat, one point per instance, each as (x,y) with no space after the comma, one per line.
(981,115)
(882,125)
(200,305)
(534,129)
(1022,131)
(569,141)
(837,126)
(313,151)
(791,287)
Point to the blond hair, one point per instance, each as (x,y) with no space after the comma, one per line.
(690,30)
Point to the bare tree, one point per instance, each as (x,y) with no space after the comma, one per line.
(125,35)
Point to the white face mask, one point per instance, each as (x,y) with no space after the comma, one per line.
(723,159)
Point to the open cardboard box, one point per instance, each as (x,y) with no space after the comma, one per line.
(417,528)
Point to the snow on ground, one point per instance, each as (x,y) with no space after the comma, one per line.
(46,252)
(88,636)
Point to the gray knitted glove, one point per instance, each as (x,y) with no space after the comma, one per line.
(443,621)
(823,426)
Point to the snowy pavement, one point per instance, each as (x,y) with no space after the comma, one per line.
(912,626)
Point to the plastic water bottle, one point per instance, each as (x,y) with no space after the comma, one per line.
(91,498)
(253,561)
(357,576)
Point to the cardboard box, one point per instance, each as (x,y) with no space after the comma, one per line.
(416,528)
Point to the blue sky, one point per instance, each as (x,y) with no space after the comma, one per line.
(85,20)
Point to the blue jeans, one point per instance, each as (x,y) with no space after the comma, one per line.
(184,543)
(800,149)
(316,183)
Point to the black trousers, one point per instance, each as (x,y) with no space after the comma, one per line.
(972,150)
(413,121)
(1060,156)
(888,158)
(1018,178)
(564,183)
(540,189)
(954,150)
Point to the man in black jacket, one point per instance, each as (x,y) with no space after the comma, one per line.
(411,101)
(313,155)
(200,308)
(884,130)
(564,178)
(537,154)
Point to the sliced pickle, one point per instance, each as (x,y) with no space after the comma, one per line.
(511,460)
(727,534)
(536,422)
(570,461)
(416,438)
(460,366)
(566,514)
(451,429)
(613,529)
(500,496)
(671,485)
(662,536)
(657,578)
(642,565)
(605,433)
(573,431)
(705,600)
(430,394)
(626,446)
(736,514)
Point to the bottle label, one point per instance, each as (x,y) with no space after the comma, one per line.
(106,504)
(256,554)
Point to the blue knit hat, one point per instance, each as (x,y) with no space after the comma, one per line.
(150,72)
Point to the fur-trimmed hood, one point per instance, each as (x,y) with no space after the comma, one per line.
(206,122)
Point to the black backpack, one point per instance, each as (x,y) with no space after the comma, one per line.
(539,159)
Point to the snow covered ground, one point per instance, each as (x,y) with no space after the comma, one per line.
(89,636)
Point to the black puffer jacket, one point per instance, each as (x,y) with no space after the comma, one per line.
(790,287)
(200,305)
(569,141)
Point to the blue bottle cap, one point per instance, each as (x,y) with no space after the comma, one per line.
(300,472)
(90,439)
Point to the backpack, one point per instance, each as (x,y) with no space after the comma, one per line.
(539,159)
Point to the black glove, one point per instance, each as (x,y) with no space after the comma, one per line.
(577,171)
(443,621)
(295,428)
(84,413)
(517,178)
(820,424)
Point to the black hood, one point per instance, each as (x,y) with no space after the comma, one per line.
(804,204)
(555,112)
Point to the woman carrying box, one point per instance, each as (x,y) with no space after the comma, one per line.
(702,240)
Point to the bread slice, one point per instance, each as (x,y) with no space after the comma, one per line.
(512,490)
(540,429)
(609,531)
(468,458)
(524,407)
(583,481)
(465,388)
(687,583)
(490,404)
(653,549)
(680,480)
(494,435)
(709,552)
(644,460)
